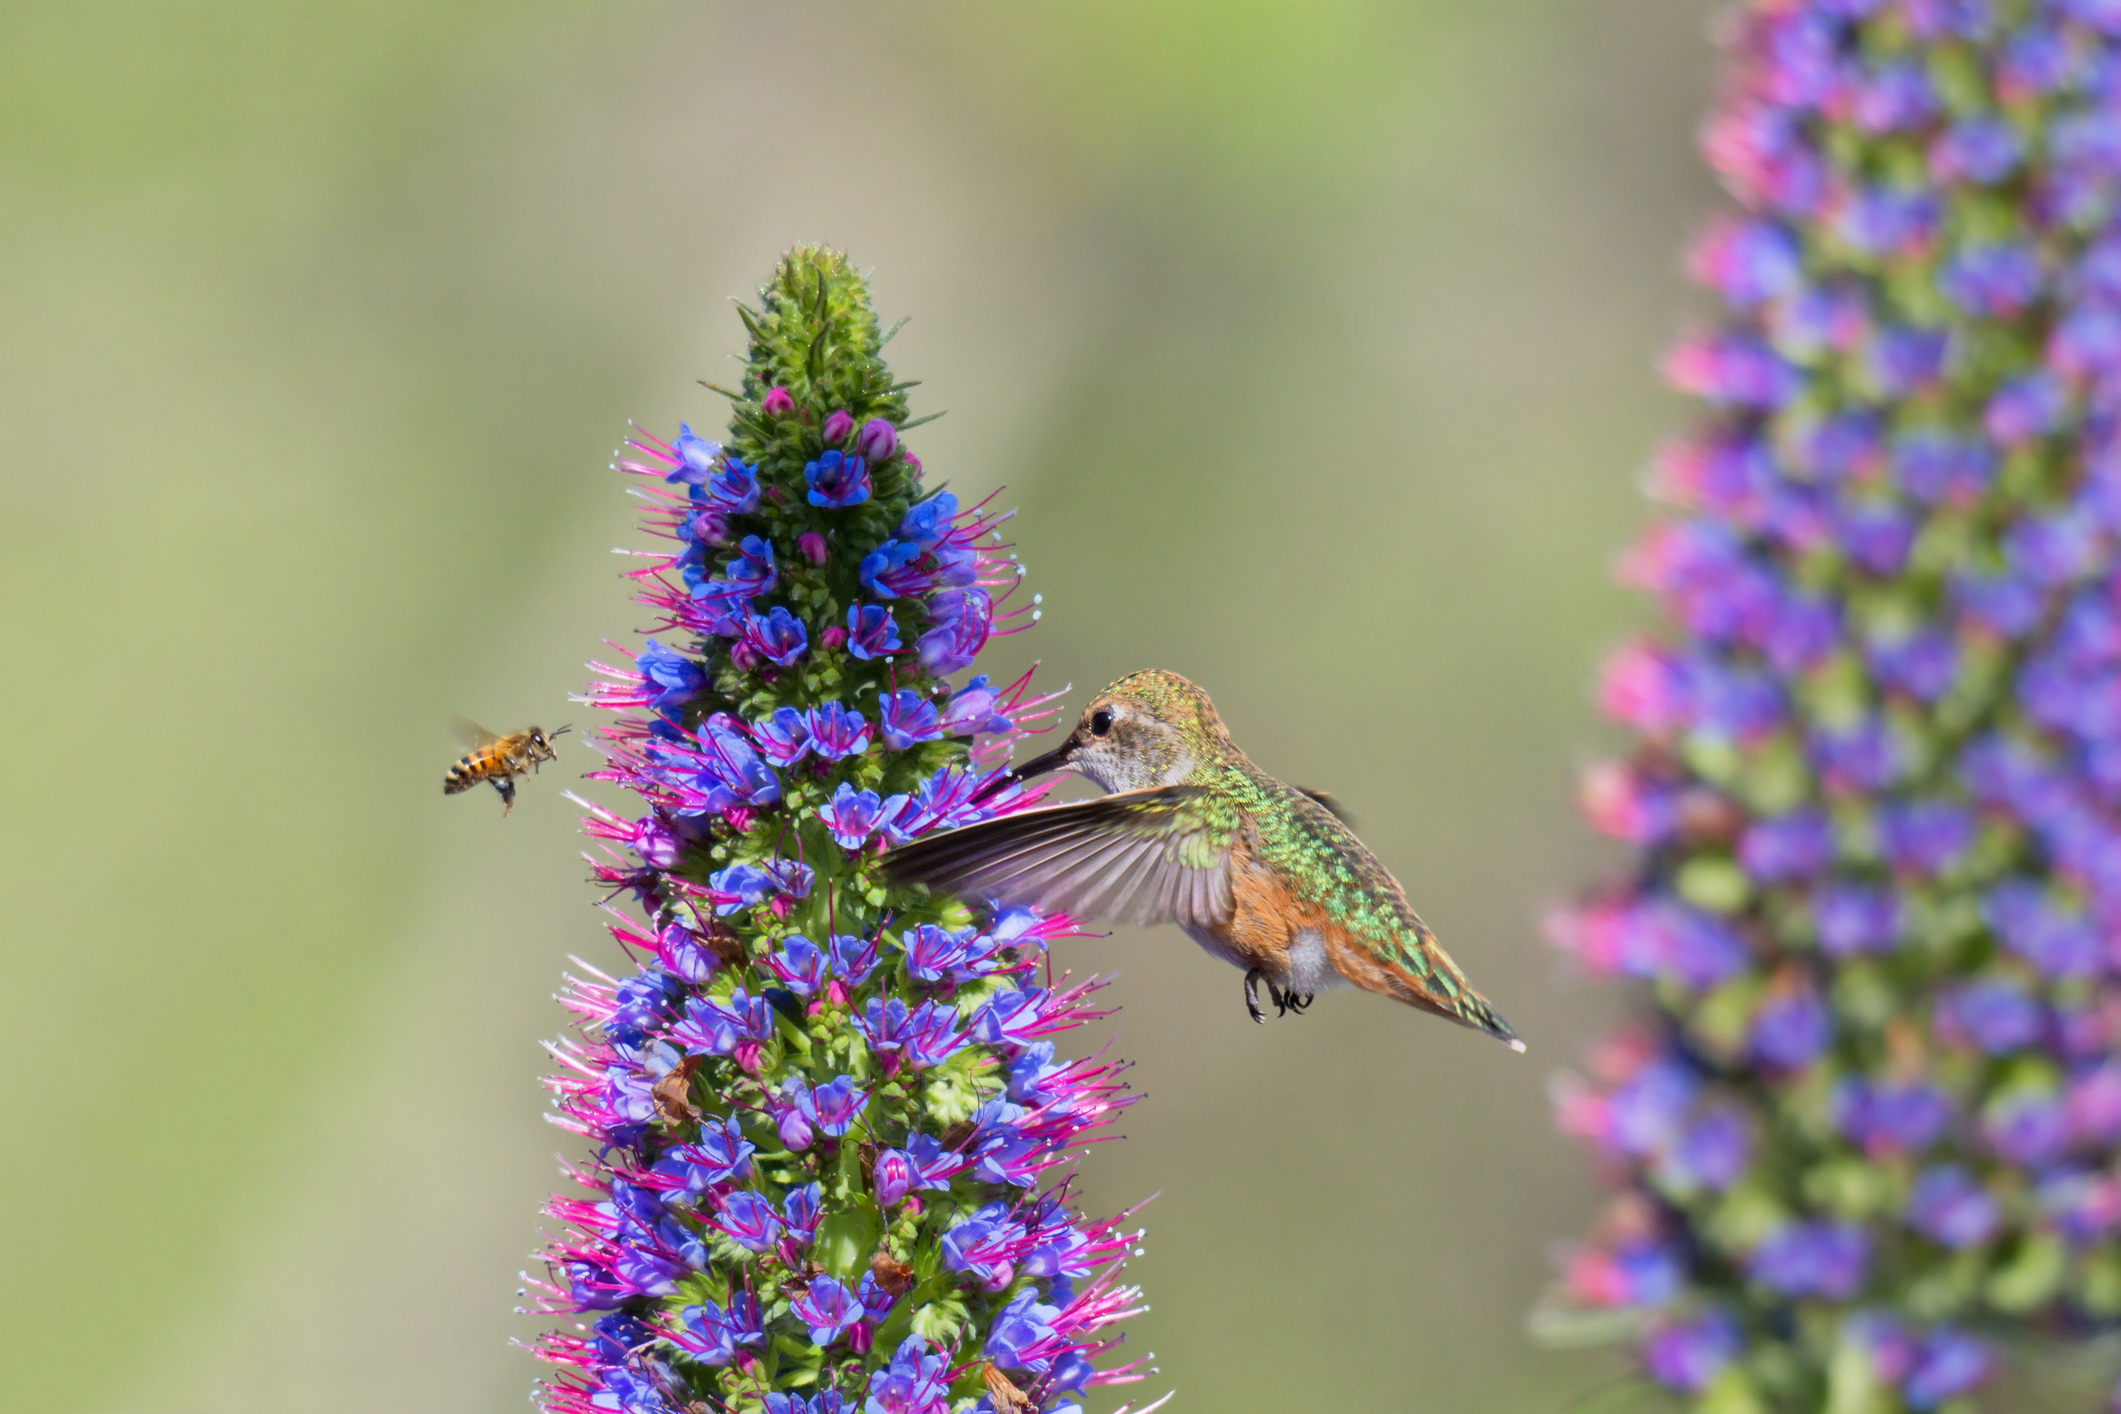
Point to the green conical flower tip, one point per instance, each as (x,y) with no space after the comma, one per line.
(832,1140)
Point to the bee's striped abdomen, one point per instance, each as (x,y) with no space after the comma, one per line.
(470,769)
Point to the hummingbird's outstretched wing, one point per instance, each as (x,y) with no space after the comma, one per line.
(1143,856)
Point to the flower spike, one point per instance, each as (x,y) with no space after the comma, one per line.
(826,1119)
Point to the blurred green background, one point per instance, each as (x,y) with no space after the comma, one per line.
(1314,341)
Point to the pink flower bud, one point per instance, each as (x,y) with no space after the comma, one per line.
(812,545)
(777,403)
(893,1178)
(859,1338)
(744,656)
(878,441)
(838,426)
(834,637)
(913,466)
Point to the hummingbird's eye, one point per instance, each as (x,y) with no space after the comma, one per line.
(1100,722)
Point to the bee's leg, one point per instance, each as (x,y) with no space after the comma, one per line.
(507,789)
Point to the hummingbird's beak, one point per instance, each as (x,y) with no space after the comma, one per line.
(1053,760)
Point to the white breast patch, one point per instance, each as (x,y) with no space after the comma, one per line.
(1309,971)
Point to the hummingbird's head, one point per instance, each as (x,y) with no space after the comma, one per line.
(1150,728)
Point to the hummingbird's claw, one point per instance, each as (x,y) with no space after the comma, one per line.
(1300,1002)
(1252,980)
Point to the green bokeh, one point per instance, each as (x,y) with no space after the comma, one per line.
(1313,340)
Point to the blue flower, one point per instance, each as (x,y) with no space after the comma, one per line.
(961,619)
(834,1106)
(1855,918)
(1713,1152)
(870,631)
(721,1155)
(972,709)
(1907,1117)
(716,1028)
(981,1245)
(851,815)
(616,1337)
(1012,1018)
(1926,835)
(1998,1014)
(696,457)
(1029,1072)
(802,1211)
(1981,150)
(1993,280)
(749,1221)
(779,636)
(906,718)
(1787,847)
(2026,1125)
(732,489)
(799,965)
(1001,1152)
(915,1382)
(1951,1208)
(2061,944)
(643,1002)
(2025,408)
(1686,1355)
(752,572)
(829,1401)
(726,771)
(893,570)
(925,1035)
(1019,1327)
(827,1308)
(784,736)
(741,886)
(837,733)
(1951,1363)
(1792,1027)
(676,678)
(711,1336)
(928,523)
(791,876)
(932,1036)
(853,959)
(837,480)
(931,951)
(716,606)
(876,1302)
(1813,1259)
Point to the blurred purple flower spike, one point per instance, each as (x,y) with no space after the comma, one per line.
(1874,785)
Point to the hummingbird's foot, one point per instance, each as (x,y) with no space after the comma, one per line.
(1252,981)
(1299,1002)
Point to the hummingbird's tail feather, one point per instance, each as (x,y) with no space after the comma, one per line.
(1416,970)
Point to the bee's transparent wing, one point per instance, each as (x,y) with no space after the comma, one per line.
(470,733)
(1143,856)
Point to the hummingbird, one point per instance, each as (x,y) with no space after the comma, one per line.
(1263,875)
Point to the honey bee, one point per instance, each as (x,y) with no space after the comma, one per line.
(498,759)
